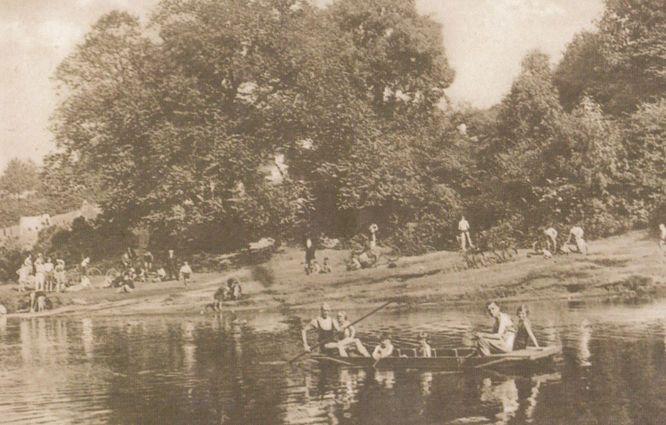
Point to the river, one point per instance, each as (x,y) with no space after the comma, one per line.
(227,370)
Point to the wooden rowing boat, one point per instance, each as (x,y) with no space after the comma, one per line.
(444,359)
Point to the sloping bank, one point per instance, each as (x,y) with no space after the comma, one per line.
(628,266)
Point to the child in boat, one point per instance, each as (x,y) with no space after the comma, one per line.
(348,337)
(425,350)
(524,334)
(384,349)
(500,340)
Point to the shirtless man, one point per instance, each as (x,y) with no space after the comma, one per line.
(384,349)
(327,330)
(500,340)
(348,336)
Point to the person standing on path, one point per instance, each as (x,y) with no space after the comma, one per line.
(172,265)
(551,239)
(465,239)
(310,251)
(662,236)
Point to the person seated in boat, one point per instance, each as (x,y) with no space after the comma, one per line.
(425,350)
(524,334)
(327,330)
(348,337)
(500,340)
(384,349)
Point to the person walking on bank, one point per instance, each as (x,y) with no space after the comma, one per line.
(172,265)
(310,251)
(465,239)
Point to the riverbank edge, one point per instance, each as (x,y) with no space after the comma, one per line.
(625,267)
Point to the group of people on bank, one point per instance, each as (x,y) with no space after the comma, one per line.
(135,268)
(337,336)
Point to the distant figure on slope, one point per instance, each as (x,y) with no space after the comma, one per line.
(171,265)
(185,273)
(310,251)
(662,236)
(373,235)
(464,237)
(551,239)
(577,234)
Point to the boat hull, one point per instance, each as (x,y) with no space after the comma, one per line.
(450,360)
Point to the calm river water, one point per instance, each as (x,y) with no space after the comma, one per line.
(211,369)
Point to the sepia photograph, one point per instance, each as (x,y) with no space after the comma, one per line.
(339,212)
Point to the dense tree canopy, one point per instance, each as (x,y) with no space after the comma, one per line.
(173,125)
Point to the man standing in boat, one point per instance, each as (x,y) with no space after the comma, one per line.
(327,330)
(503,334)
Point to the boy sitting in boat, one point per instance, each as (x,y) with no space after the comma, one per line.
(524,335)
(500,340)
(384,349)
(348,337)
(425,350)
(327,330)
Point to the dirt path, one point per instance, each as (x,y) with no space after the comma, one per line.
(627,266)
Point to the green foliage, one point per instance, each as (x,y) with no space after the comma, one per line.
(622,64)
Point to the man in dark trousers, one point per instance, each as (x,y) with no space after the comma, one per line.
(172,265)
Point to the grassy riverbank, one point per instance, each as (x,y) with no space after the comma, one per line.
(627,266)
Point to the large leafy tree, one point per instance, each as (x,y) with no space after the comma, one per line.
(622,64)
(19,176)
(176,121)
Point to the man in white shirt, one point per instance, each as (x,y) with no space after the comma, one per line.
(463,228)
(551,239)
(577,233)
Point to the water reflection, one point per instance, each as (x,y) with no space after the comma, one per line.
(584,337)
(222,369)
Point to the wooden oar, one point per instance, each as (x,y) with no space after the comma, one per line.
(321,343)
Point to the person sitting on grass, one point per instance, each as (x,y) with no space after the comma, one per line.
(348,337)
(354,263)
(185,273)
(384,349)
(126,285)
(161,275)
(500,340)
(577,234)
(315,268)
(326,266)
(524,334)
